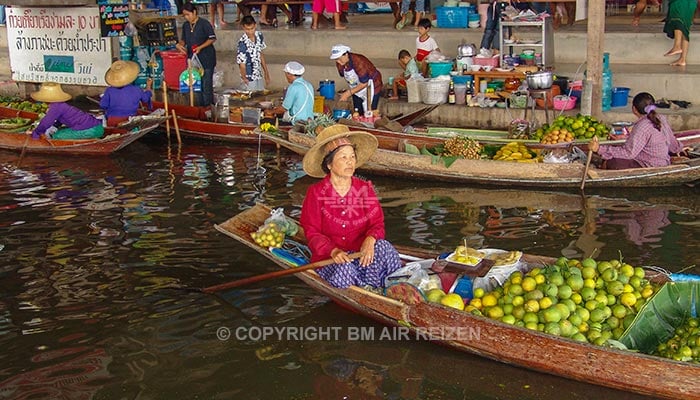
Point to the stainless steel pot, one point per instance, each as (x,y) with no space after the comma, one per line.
(539,80)
(466,50)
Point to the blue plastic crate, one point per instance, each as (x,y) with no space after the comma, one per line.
(452,17)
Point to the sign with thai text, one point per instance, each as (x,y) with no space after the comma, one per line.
(114,15)
(62,45)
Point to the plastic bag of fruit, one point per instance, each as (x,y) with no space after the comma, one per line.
(275,228)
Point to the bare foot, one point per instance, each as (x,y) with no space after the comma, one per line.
(223,23)
(635,21)
(341,27)
(673,52)
(678,63)
(314,27)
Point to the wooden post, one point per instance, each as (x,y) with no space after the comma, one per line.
(190,81)
(177,128)
(165,104)
(594,58)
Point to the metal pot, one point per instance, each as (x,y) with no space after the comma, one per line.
(539,80)
(466,50)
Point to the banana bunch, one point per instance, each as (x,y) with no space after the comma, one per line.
(514,151)
(464,147)
(508,258)
(268,236)
(268,127)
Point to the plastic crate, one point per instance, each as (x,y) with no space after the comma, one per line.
(492,61)
(452,17)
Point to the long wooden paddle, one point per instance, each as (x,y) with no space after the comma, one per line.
(24,149)
(585,171)
(275,274)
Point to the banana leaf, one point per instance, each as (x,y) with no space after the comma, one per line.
(657,321)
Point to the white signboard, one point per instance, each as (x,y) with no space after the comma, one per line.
(52,44)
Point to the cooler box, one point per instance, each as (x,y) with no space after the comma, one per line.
(174,63)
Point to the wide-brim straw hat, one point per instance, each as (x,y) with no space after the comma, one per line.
(330,139)
(122,73)
(50,92)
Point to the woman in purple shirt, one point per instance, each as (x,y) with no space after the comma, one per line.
(122,98)
(63,121)
(648,145)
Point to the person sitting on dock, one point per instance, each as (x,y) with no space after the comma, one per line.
(648,145)
(298,104)
(78,124)
(409,68)
(122,98)
(341,213)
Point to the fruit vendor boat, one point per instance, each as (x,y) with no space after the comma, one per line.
(391,160)
(193,122)
(620,369)
(114,139)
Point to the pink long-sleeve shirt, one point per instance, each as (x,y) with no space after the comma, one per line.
(330,220)
(648,146)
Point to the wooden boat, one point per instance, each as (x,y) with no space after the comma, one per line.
(625,370)
(389,161)
(193,122)
(113,140)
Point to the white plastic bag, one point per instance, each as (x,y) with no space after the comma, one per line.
(417,273)
(197,65)
(218,77)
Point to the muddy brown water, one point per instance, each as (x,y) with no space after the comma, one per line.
(95,252)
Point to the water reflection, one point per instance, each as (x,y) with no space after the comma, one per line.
(98,254)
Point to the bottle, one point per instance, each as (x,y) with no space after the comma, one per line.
(468,95)
(606,83)
(451,96)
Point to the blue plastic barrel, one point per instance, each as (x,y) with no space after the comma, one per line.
(327,89)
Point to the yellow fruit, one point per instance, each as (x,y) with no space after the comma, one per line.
(628,299)
(434,295)
(529,284)
(489,300)
(452,300)
(495,312)
(476,303)
(545,303)
(540,278)
(532,306)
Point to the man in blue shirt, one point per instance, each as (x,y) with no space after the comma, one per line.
(298,104)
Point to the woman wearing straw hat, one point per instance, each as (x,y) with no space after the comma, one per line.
(78,124)
(341,213)
(121,100)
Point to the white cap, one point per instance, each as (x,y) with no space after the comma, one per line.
(338,50)
(294,68)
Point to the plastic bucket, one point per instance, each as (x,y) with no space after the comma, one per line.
(619,96)
(340,113)
(327,89)
(174,63)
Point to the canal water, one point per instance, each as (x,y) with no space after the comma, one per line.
(97,256)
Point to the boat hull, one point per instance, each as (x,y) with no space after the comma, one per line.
(193,123)
(114,138)
(388,161)
(624,370)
